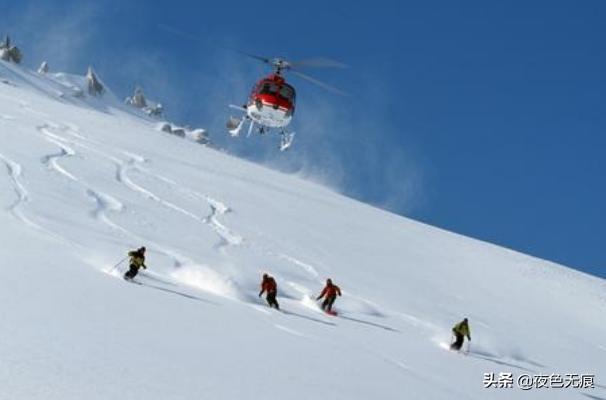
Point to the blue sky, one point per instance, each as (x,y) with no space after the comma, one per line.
(484,118)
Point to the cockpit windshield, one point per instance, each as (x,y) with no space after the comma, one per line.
(269,88)
(283,91)
(287,92)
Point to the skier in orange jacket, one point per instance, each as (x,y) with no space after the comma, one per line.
(269,285)
(330,293)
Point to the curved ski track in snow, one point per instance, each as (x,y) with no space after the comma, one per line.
(226,236)
(217,208)
(25,107)
(52,160)
(14,170)
(122,177)
(104,203)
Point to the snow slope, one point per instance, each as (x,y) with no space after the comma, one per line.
(84,180)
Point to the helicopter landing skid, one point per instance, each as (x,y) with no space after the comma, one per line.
(235,125)
(286,139)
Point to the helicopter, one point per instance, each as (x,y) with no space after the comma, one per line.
(271,103)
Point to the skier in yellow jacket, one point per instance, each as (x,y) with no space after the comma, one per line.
(137,260)
(460,330)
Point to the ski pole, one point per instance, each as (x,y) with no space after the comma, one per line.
(116,266)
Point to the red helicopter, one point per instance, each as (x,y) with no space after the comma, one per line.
(271,104)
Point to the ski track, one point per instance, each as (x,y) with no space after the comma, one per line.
(104,202)
(122,176)
(170,286)
(25,107)
(52,160)
(226,236)
(290,331)
(14,171)
(307,268)
(217,208)
(271,314)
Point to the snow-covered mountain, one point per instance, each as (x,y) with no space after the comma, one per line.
(86,179)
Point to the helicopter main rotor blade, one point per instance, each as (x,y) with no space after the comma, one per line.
(178,32)
(319,83)
(319,62)
(265,60)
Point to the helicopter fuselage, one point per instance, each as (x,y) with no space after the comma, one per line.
(271,102)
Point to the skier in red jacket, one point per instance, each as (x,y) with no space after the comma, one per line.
(330,293)
(269,285)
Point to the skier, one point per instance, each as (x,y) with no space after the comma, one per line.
(331,292)
(269,285)
(460,330)
(137,260)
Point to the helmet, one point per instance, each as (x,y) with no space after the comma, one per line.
(265,276)
(329,281)
(142,249)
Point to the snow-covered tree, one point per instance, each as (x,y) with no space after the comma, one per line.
(95,88)
(177,131)
(164,127)
(5,49)
(9,52)
(200,135)
(4,54)
(138,99)
(43,68)
(155,110)
(15,55)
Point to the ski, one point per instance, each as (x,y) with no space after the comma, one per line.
(131,280)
